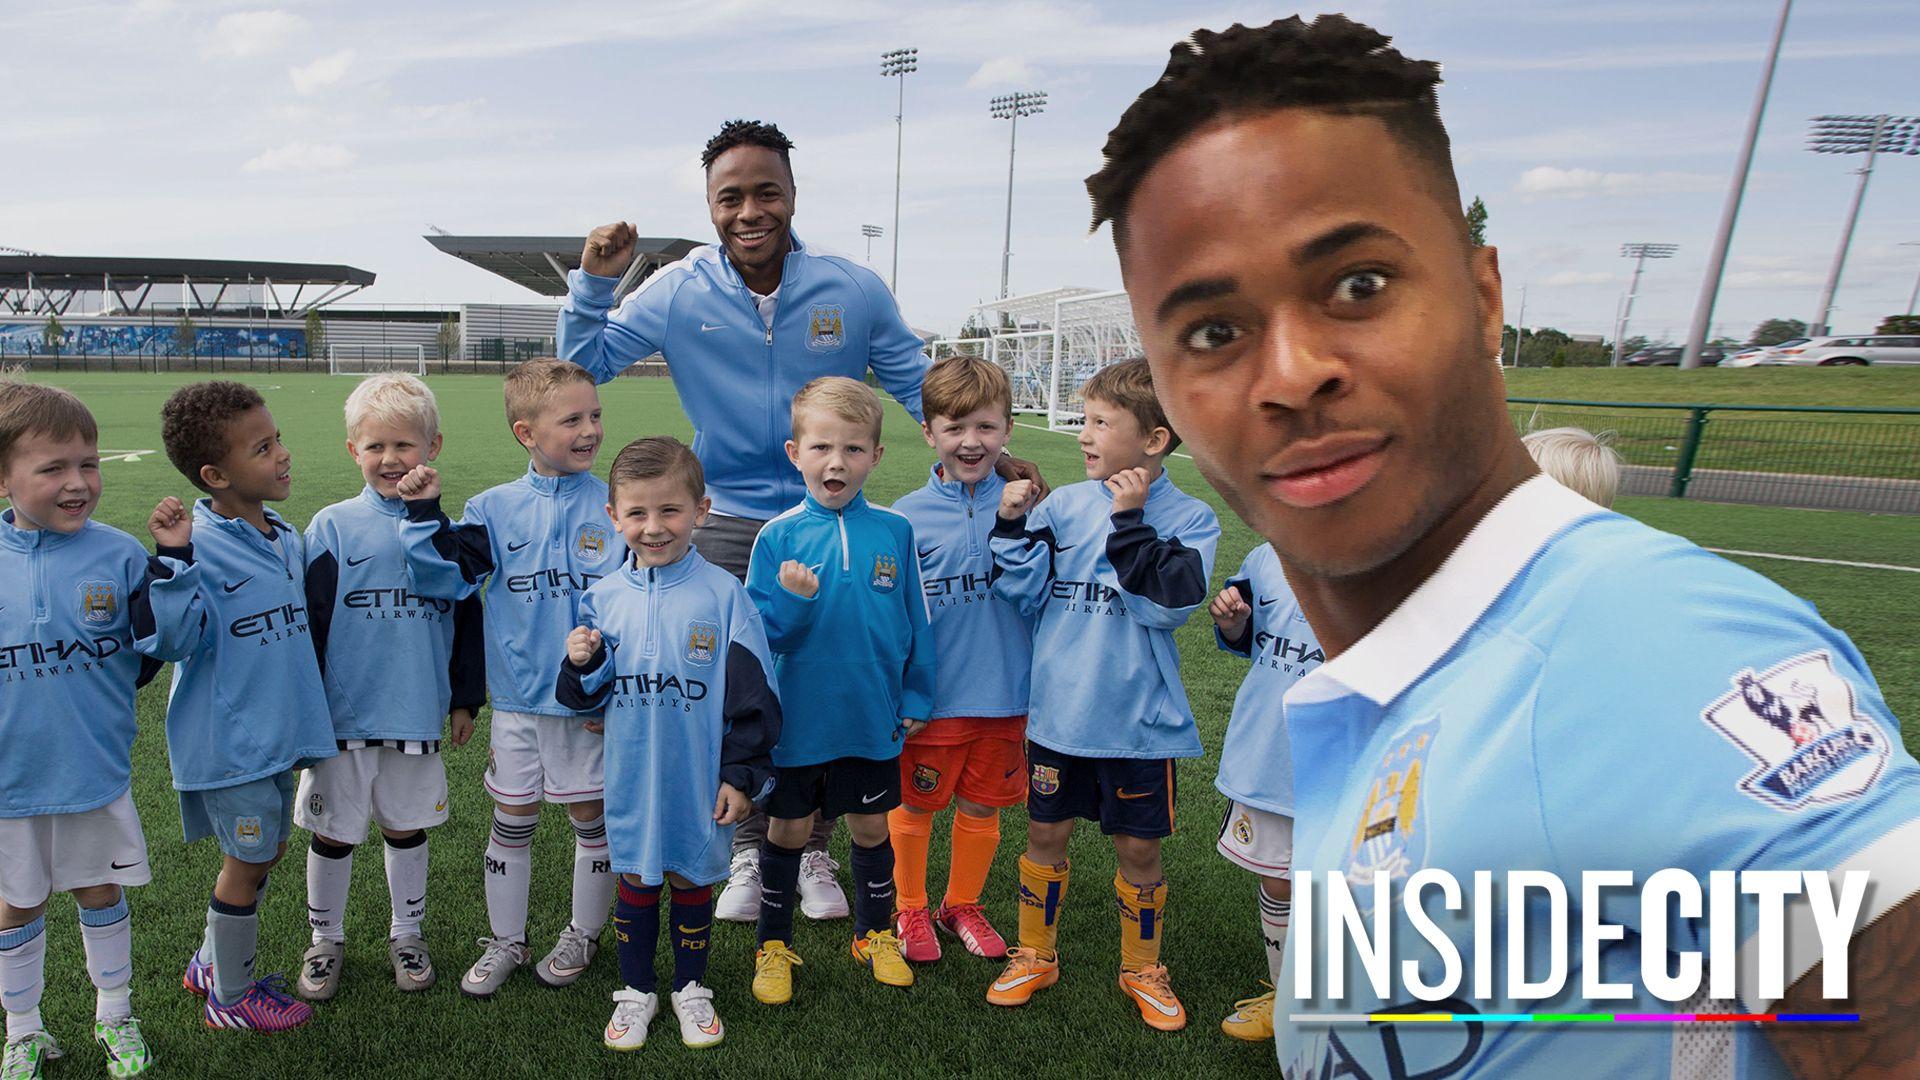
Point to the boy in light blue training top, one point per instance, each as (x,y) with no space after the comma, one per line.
(673,650)
(74,620)
(247,707)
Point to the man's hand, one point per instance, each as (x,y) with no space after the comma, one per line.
(1129,487)
(581,645)
(1017,498)
(798,579)
(609,249)
(171,524)
(1012,468)
(459,727)
(421,482)
(910,728)
(1230,613)
(732,806)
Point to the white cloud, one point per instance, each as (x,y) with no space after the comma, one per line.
(301,157)
(1582,277)
(1003,71)
(321,73)
(250,33)
(1767,279)
(1552,182)
(442,111)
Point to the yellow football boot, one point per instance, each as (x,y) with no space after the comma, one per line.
(880,950)
(773,973)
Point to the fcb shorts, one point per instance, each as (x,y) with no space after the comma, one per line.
(1257,840)
(1127,796)
(847,785)
(544,757)
(50,853)
(250,820)
(988,770)
(342,795)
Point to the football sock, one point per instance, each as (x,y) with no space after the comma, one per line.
(975,840)
(329,872)
(636,933)
(406,860)
(1141,914)
(107,934)
(592,875)
(23,966)
(692,927)
(1042,890)
(873,888)
(509,868)
(779,886)
(912,834)
(1274,915)
(233,933)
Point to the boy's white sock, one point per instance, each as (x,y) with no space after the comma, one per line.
(329,872)
(407,884)
(1274,915)
(509,869)
(107,934)
(593,880)
(23,966)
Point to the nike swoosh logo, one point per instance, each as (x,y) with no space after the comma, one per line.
(1065,547)
(512,547)
(1269,601)
(707,328)
(879,884)
(693,930)
(711,1027)
(874,798)
(1010,773)
(358,561)
(1009,984)
(417,901)
(311,910)
(236,586)
(1122,793)
(126,865)
(1155,1002)
(925,552)
(616,1032)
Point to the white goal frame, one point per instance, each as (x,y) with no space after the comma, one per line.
(369,359)
(1057,341)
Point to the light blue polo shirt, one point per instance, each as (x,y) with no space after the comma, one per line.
(1575,691)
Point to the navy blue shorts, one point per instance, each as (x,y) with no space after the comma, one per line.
(1127,796)
(847,785)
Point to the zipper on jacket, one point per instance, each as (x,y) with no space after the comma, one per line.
(846,559)
(39,581)
(653,601)
(972,540)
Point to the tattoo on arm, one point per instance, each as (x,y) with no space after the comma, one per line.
(1884,986)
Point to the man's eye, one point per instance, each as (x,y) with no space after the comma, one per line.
(1359,287)
(1208,336)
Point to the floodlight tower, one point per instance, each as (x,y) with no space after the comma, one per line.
(1012,107)
(1639,253)
(898,64)
(871,231)
(1914,296)
(1869,135)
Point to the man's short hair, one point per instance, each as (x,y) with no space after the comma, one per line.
(655,457)
(393,397)
(38,409)
(1129,384)
(1332,64)
(1579,459)
(196,424)
(748,133)
(962,385)
(531,384)
(837,395)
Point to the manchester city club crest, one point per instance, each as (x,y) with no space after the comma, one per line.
(1046,779)
(590,543)
(926,779)
(1391,836)
(1799,723)
(702,639)
(246,831)
(98,601)
(886,572)
(826,329)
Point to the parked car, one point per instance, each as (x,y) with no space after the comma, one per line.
(1853,351)
(1669,356)
(1756,355)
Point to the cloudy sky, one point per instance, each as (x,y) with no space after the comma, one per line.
(335,132)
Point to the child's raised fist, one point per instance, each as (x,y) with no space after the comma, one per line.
(582,643)
(171,524)
(1017,498)
(1230,613)
(421,482)
(798,579)
(1129,487)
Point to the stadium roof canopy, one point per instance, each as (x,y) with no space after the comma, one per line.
(541,263)
(49,284)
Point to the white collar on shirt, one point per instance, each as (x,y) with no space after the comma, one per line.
(1396,653)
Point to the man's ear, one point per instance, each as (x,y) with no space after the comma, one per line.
(1484,265)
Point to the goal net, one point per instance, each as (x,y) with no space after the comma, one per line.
(1051,343)
(368,359)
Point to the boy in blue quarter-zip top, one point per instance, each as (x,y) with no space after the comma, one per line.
(1110,568)
(674,652)
(74,623)
(247,706)
(400,655)
(536,544)
(838,583)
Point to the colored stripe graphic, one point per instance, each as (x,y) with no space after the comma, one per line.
(1574,1018)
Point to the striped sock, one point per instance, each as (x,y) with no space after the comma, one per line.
(107,935)
(23,967)
(1043,889)
(509,866)
(592,875)
(692,930)
(1142,909)
(1274,916)
(636,933)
